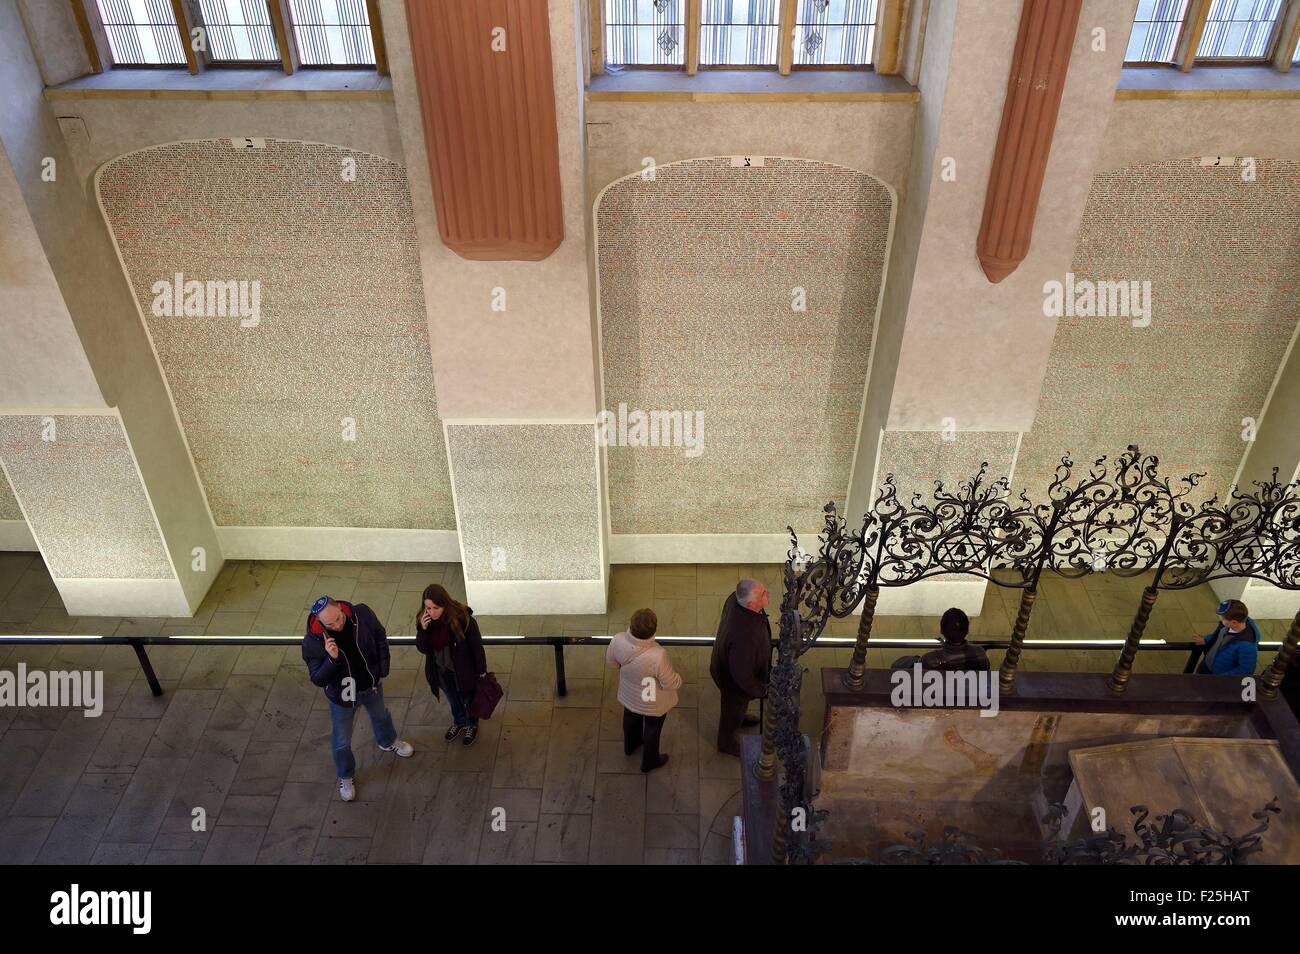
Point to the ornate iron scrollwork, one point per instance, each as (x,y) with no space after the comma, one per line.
(1123,517)
(1254,535)
(1173,839)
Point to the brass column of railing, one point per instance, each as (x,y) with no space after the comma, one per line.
(1007,672)
(766,766)
(1272,676)
(1123,670)
(857,673)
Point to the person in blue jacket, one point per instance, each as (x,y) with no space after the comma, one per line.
(1233,648)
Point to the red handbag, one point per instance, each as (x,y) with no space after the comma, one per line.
(486,696)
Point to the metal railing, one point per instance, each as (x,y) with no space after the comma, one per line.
(557,643)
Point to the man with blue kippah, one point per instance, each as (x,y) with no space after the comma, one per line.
(346,652)
(1233,648)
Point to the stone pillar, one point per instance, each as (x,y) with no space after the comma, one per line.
(959,362)
(519,400)
(89,440)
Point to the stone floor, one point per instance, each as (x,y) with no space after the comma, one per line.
(242,734)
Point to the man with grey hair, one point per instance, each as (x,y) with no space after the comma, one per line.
(742,657)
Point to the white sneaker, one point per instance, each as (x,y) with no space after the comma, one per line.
(347,791)
(399,748)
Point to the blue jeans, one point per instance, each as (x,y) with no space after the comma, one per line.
(341,718)
(459,703)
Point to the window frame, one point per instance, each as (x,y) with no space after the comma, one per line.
(188,15)
(101,54)
(1285,33)
(210,62)
(781,38)
(1271,47)
(1178,40)
(597,9)
(376,43)
(858,67)
(886,57)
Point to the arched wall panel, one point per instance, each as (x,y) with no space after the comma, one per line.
(341,339)
(1220,247)
(9,509)
(703,270)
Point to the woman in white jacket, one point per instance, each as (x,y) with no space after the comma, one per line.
(647,686)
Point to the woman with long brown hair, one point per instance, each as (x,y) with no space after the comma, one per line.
(454,662)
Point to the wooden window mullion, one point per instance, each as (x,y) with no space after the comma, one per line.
(887,56)
(694,24)
(785,36)
(377,37)
(1198,11)
(596,29)
(183,28)
(87,37)
(280,27)
(1289,36)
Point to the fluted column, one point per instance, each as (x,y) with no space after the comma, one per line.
(483,72)
(1038,69)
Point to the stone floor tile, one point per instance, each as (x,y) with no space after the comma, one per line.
(571,762)
(564,839)
(409,803)
(86,815)
(294,828)
(457,819)
(507,843)
(146,800)
(233,845)
(21,838)
(618,820)
(110,853)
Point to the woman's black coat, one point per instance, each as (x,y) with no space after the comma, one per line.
(467,656)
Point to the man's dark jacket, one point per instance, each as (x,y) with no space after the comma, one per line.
(957,657)
(467,657)
(329,673)
(742,651)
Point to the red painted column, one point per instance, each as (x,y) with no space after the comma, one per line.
(1038,69)
(487,98)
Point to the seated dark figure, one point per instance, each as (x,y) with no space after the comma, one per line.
(956,655)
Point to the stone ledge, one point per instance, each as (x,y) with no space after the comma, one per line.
(750,86)
(227,84)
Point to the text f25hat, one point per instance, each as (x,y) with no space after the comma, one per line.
(1223,607)
(319,605)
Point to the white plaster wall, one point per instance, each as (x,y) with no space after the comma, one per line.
(870,137)
(55,39)
(81,258)
(972,350)
(45,364)
(1151,130)
(905,244)
(115,126)
(536,360)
